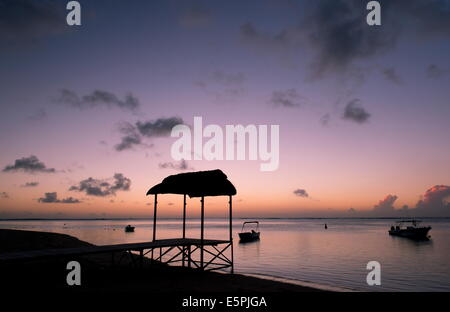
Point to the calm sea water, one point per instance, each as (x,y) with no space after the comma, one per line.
(298,249)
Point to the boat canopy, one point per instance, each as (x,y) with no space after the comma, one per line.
(250,222)
(195,184)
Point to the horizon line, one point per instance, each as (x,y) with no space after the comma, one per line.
(180,218)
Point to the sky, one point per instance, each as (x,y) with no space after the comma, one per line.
(87,111)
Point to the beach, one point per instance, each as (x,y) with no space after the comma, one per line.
(98,275)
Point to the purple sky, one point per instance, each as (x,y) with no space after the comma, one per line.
(363,111)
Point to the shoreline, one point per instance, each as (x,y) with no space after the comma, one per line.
(102,277)
(314,285)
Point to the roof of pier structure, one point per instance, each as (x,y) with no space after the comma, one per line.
(196,184)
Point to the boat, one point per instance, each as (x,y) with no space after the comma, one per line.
(410,229)
(129,228)
(251,235)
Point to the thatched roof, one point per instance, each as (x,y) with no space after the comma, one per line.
(195,184)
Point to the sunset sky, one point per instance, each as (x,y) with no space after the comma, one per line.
(364,111)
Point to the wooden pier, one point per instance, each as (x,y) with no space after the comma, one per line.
(198,184)
(185,250)
(199,253)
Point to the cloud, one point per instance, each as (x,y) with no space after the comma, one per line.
(29,164)
(30,184)
(38,115)
(435,72)
(250,33)
(335,32)
(339,35)
(355,112)
(130,138)
(325,119)
(386,204)
(391,75)
(286,98)
(182,165)
(158,128)
(228,79)
(286,38)
(4,195)
(195,16)
(224,85)
(132,135)
(301,193)
(22,21)
(98,98)
(434,203)
(70,200)
(52,197)
(435,200)
(103,187)
(430,18)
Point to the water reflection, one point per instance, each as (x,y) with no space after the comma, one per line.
(250,250)
(298,249)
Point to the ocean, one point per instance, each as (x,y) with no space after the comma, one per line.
(297,249)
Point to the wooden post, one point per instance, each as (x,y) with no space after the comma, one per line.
(231,217)
(154,217)
(184,228)
(231,232)
(184,216)
(202,231)
(189,256)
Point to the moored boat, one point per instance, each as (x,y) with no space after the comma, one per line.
(410,229)
(129,228)
(251,235)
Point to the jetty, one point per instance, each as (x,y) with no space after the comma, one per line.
(204,254)
(201,253)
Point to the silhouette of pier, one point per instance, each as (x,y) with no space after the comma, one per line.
(198,184)
(201,253)
(142,249)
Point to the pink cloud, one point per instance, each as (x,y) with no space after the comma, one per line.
(386,204)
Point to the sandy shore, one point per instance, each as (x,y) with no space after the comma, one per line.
(99,275)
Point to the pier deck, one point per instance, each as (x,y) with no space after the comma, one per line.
(184,247)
